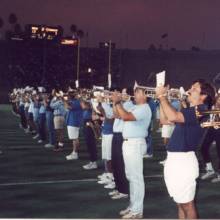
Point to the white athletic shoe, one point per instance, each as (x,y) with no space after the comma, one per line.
(113,193)
(125,211)
(90,166)
(40,141)
(162,162)
(120,196)
(36,136)
(108,178)
(148,156)
(131,215)
(102,176)
(110,185)
(208,174)
(216,179)
(48,145)
(72,156)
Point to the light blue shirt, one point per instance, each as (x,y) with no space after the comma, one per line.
(119,123)
(58,107)
(138,128)
(108,110)
(42,109)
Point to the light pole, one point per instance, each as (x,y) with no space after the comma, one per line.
(78,62)
(109,64)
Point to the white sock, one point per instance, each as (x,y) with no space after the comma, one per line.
(60,144)
(209,167)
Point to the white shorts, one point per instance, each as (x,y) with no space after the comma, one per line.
(73,132)
(167,131)
(180,173)
(59,122)
(107,146)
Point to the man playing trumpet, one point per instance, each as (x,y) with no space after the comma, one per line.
(135,130)
(181,167)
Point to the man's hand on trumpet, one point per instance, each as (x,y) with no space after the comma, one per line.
(116,97)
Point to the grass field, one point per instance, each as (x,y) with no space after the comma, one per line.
(38,183)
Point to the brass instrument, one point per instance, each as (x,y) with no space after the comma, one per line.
(213,118)
(172,94)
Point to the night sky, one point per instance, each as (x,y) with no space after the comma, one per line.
(129,23)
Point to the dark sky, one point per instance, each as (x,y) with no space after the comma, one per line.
(130,23)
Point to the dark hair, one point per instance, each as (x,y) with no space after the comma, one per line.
(208,90)
(130,91)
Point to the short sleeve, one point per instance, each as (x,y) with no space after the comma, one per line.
(75,105)
(141,112)
(128,105)
(108,110)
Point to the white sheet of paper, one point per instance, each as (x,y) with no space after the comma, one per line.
(77,83)
(161,78)
(109,80)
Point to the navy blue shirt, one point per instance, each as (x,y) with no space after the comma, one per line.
(87,114)
(107,127)
(187,136)
(74,114)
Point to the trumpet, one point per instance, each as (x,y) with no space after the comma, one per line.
(213,118)
(172,94)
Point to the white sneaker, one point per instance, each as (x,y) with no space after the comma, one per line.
(148,156)
(120,196)
(27,131)
(208,174)
(106,179)
(40,141)
(131,215)
(90,166)
(113,193)
(102,176)
(60,144)
(36,136)
(72,156)
(110,185)
(125,211)
(49,145)
(216,179)
(162,162)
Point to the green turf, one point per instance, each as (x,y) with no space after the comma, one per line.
(25,161)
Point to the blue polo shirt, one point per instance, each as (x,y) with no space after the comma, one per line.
(74,114)
(87,114)
(187,136)
(107,127)
(175,104)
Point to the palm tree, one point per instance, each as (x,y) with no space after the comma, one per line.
(1,23)
(73,29)
(17,29)
(80,34)
(12,19)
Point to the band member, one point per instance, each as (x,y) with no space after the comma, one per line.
(50,122)
(89,135)
(135,130)
(59,112)
(118,167)
(181,167)
(107,135)
(73,121)
(212,134)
